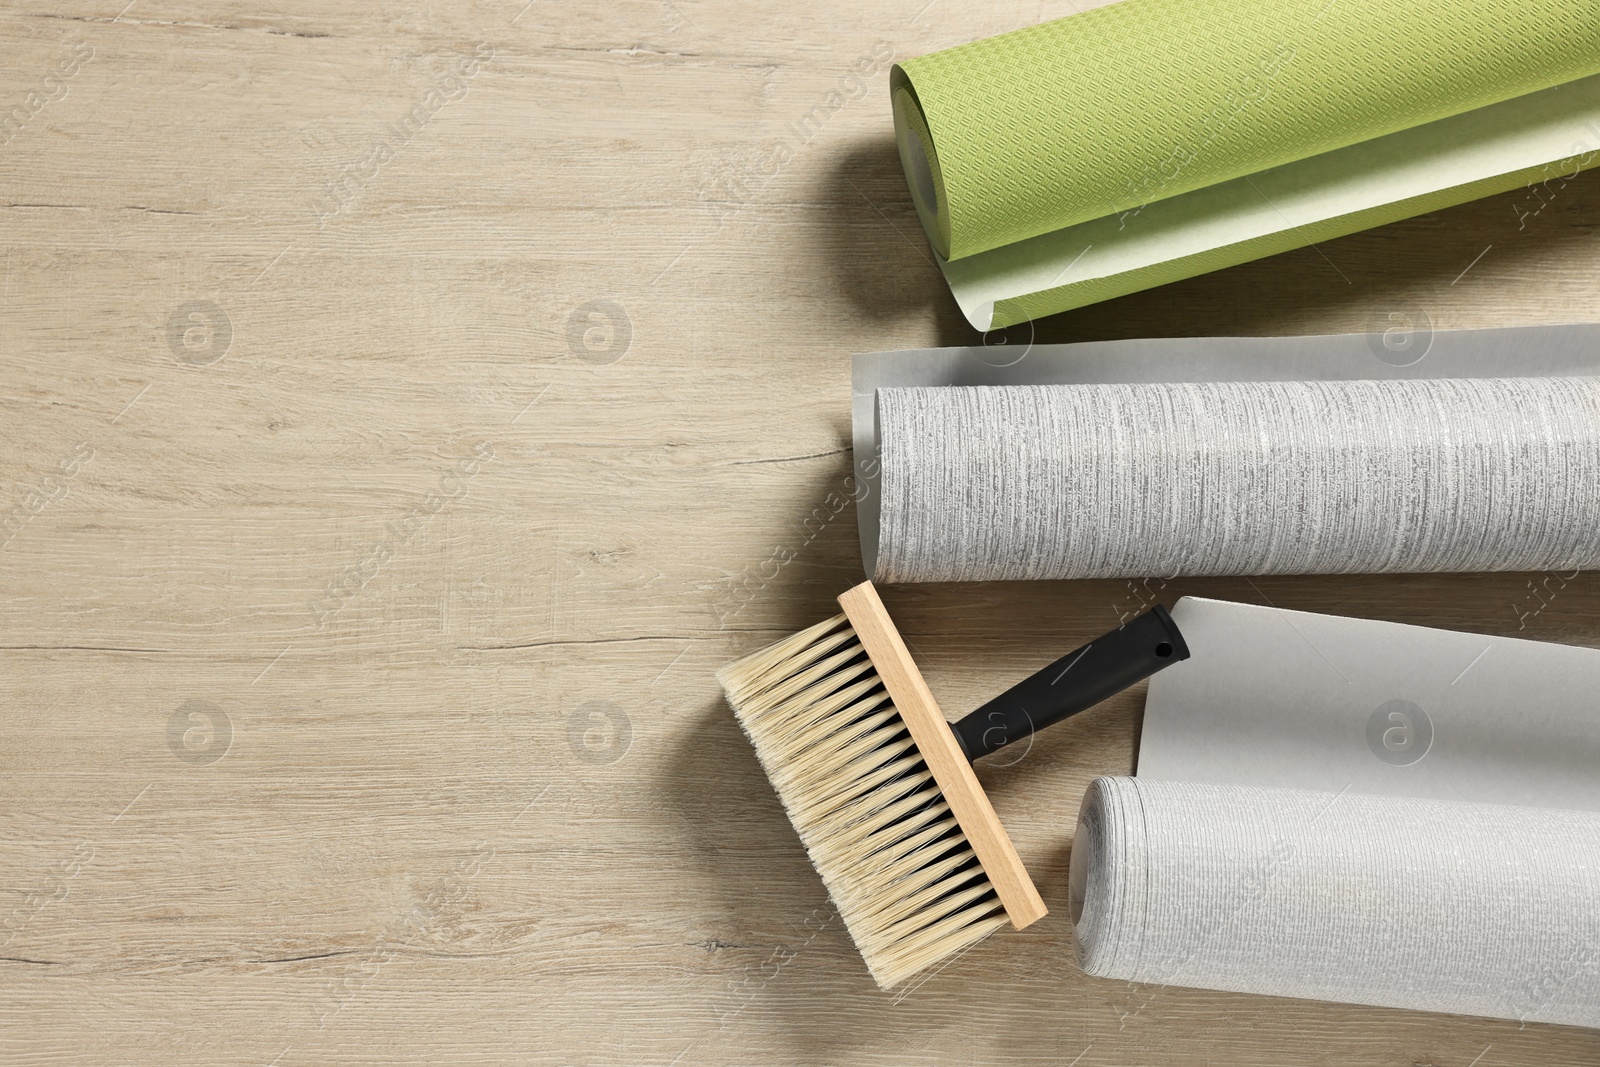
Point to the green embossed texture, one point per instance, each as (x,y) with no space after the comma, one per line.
(1101,112)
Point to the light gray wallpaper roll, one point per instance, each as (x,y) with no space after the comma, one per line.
(1473,909)
(987,483)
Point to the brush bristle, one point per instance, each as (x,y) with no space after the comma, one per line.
(895,861)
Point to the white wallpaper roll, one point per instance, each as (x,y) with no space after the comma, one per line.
(1473,909)
(1214,478)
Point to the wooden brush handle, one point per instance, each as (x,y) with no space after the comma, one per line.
(951,771)
(1080,679)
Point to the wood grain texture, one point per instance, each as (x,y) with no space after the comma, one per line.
(942,753)
(383,521)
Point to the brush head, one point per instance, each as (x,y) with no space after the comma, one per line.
(867,781)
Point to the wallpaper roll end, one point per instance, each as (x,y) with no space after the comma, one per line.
(919,159)
(1096,874)
(869,483)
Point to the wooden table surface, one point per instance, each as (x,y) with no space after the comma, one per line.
(407,407)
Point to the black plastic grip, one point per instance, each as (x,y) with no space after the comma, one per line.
(1080,679)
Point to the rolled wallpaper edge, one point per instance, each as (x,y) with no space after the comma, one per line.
(1546,139)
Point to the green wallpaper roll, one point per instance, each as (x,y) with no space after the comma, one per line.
(1097,114)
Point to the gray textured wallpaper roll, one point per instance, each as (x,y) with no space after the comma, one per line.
(1473,909)
(1205,478)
